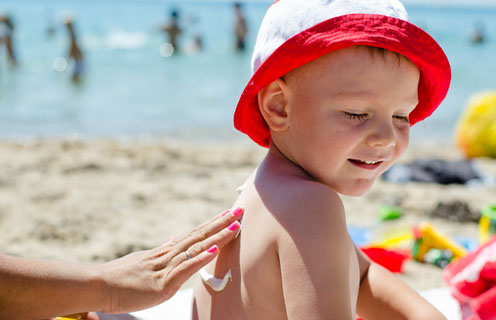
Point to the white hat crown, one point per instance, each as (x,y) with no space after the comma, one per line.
(286,18)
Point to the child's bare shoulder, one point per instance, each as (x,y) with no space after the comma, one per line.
(315,253)
(312,208)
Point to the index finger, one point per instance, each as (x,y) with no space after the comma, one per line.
(207,229)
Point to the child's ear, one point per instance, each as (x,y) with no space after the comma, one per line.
(272,101)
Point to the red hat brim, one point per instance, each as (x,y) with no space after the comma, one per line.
(342,32)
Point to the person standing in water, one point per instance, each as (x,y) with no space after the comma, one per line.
(50,29)
(6,37)
(240,27)
(75,52)
(478,34)
(172,29)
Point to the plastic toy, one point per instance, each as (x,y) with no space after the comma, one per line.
(440,258)
(427,237)
(394,239)
(71,317)
(472,281)
(476,129)
(389,213)
(390,259)
(487,223)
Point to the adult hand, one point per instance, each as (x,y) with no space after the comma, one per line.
(40,289)
(146,278)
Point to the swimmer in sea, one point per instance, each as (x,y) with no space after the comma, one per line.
(6,37)
(75,52)
(173,30)
(240,28)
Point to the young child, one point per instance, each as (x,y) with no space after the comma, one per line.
(336,86)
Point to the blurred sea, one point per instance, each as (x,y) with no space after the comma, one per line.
(132,88)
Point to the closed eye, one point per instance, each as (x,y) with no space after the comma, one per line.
(402,119)
(356,116)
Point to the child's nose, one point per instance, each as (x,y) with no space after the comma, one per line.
(382,135)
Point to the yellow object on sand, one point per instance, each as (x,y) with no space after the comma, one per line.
(476,129)
(487,223)
(394,239)
(432,238)
(71,317)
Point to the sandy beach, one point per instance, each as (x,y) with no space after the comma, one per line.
(95,200)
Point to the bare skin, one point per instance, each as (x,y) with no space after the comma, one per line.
(294,258)
(38,289)
(8,40)
(266,240)
(240,27)
(173,30)
(75,52)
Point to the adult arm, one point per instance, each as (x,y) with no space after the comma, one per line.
(384,296)
(36,289)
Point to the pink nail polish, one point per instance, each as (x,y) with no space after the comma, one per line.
(223,213)
(238,211)
(212,249)
(234,226)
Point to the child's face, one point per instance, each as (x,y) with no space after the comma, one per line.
(348,119)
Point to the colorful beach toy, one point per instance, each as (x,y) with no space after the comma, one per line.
(390,259)
(394,238)
(472,281)
(389,213)
(72,317)
(487,223)
(476,129)
(427,237)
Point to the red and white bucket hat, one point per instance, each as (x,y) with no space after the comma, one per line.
(295,32)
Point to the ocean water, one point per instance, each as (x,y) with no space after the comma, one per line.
(132,88)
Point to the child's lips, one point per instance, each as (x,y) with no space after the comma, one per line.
(364,164)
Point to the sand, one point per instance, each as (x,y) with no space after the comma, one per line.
(94,200)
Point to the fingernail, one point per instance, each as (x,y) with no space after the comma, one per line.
(223,213)
(169,240)
(213,249)
(234,226)
(238,211)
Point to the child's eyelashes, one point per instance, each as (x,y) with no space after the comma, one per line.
(356,116)
(363,116)
(402,118)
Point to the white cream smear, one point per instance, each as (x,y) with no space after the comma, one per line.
(218,284)
(214,283)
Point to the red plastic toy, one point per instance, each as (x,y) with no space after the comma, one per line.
(472,280)
(390,259)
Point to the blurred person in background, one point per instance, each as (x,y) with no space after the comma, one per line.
(172,30)
(50,25)
(75,52)
(478,34)
(195,46)
(6,38)
(240,27)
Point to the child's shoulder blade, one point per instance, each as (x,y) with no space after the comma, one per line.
(313,207)
(317,258)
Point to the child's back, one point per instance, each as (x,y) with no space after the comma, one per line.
(281,202)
